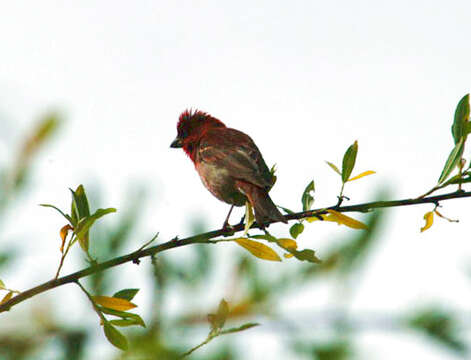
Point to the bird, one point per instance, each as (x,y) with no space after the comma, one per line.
(229,164)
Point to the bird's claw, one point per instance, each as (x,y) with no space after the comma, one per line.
(228,229)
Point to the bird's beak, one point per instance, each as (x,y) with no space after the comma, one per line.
(177,143)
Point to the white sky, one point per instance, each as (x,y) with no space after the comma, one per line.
(304,80)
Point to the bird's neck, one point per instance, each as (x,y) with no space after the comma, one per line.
(191,147)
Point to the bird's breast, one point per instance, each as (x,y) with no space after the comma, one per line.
(220,183)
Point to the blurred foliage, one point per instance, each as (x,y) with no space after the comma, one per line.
(177,321)
(440,325)
(335,350)
(13,179)
(110,241)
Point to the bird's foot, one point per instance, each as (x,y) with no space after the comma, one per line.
(262,225)
(228,229)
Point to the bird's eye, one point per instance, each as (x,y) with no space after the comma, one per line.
(183,133)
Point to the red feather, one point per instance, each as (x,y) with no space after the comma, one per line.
(229,163)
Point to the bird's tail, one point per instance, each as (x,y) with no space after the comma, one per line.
(265,209)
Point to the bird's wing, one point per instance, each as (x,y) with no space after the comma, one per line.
(237,153)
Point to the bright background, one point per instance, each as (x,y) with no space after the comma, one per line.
(304,79)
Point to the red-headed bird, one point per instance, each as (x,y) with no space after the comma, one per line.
(228,163)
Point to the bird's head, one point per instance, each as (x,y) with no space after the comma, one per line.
(191,126)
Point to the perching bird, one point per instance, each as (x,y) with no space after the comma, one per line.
(228,163)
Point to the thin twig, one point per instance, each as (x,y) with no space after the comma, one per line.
(220,332)
(149,242)
(205,237)
(95,307)
(208,339)
(69,244)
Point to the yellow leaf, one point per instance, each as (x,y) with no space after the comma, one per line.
(6,297)
(329,217)
(243,308)
(333,167)
(364,173)
(428,221)
(287,256)
(342,219)
(325,217)
(315,218)
(114,303)
(249,217)
(63,233)
(287,244)
(258,249)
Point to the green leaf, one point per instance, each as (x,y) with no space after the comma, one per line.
(114,336)
(218,320)
(123,322)
(334,167)
(74,212)
(127,294)
(307,199)
(123,315)
(85,223)
(69,219)
(306,255)
(466,178)
(467,128)
(240,328)
(459,128)
(348,162)
(265,236)
(452,161)
(286,210)
(223,311)
(2,285)
(80,211)
(81,202)
(296,229)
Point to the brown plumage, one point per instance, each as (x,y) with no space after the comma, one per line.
(228,163)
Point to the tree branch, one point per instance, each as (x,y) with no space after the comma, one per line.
(206,238)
